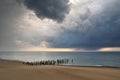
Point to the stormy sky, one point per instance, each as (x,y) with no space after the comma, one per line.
(73,24)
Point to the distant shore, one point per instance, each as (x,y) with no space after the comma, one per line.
(16,70)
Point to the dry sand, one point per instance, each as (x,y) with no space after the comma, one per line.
(11,70)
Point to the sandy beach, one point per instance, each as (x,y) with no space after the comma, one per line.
(13,70)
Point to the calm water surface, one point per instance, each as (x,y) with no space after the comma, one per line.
(79,58)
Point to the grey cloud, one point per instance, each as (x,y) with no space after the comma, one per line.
(10,12)
(52,9)
(103,31)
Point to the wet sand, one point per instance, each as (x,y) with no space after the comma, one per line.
(13,70)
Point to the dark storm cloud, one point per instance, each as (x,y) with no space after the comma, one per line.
(101,29)
(104,31)
(93,39)
(52,9)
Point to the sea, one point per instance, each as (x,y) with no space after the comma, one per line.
(75,58)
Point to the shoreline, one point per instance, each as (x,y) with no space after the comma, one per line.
(91,66)
(16,70)
(69,65)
